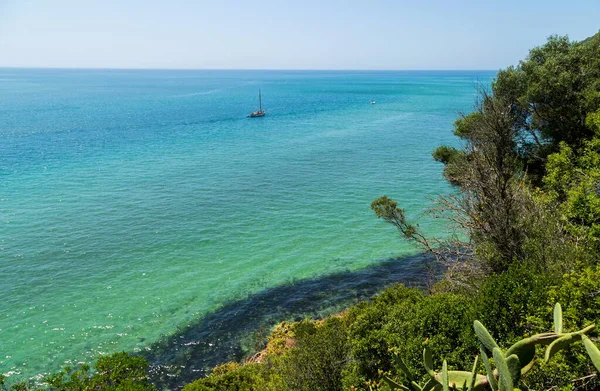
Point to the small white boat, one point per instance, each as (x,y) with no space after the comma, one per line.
(260,112)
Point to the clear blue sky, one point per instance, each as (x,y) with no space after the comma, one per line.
(271,34)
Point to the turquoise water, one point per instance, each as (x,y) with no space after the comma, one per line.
(134,203)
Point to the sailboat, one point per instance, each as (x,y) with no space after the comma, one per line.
(260,112)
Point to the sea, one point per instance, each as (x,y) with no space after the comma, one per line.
(142,211)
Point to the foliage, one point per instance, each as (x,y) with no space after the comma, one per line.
(445,379)
(349,351)
(314,362)
(553,91)
(281,338)
(318,360)
(572,182)
(506,302)
(117,372)
(404,317)
(445,154)
(120,371)
(369,329)
(550,101)
(511,364)
(233,376)
(493,206)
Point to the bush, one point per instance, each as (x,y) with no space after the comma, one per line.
(314,360)
(233,376)
(509,303)
(404,318)
(120,371)
(317,361)
(443,320)
(580,293)
(369,341)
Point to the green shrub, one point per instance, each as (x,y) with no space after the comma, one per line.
(445,321)
(368,339)
(284,335)
(508,366)
(404,318)
(119,371)
(509,303)
(318,359)
(314,361)
(581,290)
(233,377)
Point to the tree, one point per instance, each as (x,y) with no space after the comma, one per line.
(553,91)
(492,205)
(546,104)
(573,183)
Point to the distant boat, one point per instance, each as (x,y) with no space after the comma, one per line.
(260,112)
(372,102)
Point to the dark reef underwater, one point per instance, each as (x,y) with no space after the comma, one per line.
(239,328)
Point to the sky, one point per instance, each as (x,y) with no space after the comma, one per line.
(271,34)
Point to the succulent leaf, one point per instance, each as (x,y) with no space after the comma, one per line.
(504,379)
(592,351)
(525,348)
(401,366)
(585,330)
(558,319)
(488,369)
(514,367)
(432,384)
(560,344)
(445,376)
(415,386)
(428,361)
(459,377)
(527,367)
(484,336)
(395,385)
(473,374)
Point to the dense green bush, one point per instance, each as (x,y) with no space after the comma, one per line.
(317,361)
(403,318)
(117,372)
(509,304)
(581,290)
(368,338)
(233,376)
(120,371)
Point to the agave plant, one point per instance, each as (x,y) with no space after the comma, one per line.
(510,364)
(444,380)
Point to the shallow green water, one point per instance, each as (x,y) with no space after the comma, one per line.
(133,203)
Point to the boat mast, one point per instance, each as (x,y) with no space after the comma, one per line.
(259,100)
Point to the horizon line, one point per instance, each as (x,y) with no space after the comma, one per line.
(251,69)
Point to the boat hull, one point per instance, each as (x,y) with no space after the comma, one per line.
(256,114)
